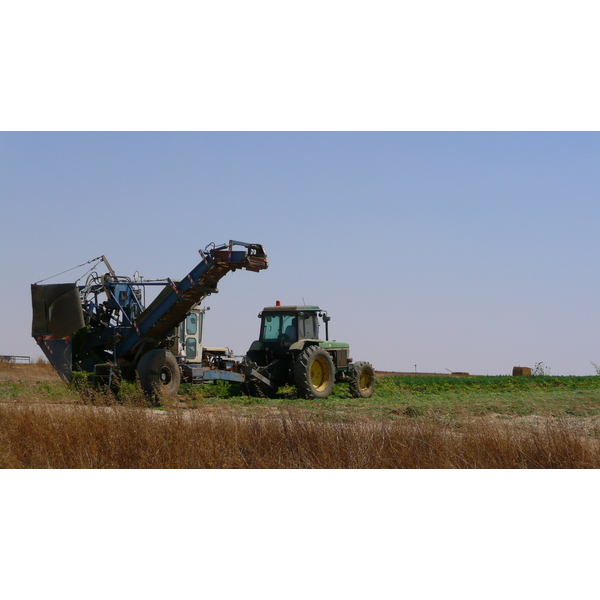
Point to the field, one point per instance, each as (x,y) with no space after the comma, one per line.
(411,422)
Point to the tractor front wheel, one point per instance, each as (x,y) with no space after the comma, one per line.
(362,384)
(314,373)
(159,373)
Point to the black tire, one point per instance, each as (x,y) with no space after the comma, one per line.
(362,384)
(159,373)
(314,373)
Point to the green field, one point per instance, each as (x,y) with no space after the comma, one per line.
(547,396)
(434,396)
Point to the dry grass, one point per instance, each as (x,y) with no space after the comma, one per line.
(66,437)
(40,370)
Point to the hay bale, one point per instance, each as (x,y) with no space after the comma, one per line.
(521,371)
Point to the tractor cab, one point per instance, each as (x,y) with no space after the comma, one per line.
(284,329)
(288,324)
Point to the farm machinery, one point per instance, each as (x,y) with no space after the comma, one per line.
(104,328)
(289,351)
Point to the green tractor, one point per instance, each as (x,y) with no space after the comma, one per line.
(289,352)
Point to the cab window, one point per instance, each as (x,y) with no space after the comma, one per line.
(191,348)
(279,327)
(308,327)
(191,324)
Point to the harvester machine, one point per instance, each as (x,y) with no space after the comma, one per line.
(104,328)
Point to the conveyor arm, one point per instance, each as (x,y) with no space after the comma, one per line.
(176,300)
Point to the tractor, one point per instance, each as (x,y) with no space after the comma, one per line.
(290,352)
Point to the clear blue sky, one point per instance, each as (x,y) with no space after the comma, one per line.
(453,251)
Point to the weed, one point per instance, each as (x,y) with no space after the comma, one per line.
(540,369)
(413,411)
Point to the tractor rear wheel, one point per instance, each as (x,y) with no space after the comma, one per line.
(314,373)
(159,373)
(362,384)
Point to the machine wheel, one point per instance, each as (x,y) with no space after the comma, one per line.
(159,373)
(314,373)
(362,384)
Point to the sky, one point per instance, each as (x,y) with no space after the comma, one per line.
(434,251)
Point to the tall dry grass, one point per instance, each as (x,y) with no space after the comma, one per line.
(40,370)
(67,437)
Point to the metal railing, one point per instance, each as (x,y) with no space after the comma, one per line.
(11,358)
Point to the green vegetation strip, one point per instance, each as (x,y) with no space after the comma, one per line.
(395,396)
(420,396)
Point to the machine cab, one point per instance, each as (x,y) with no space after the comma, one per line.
(289,324)
(188,341)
